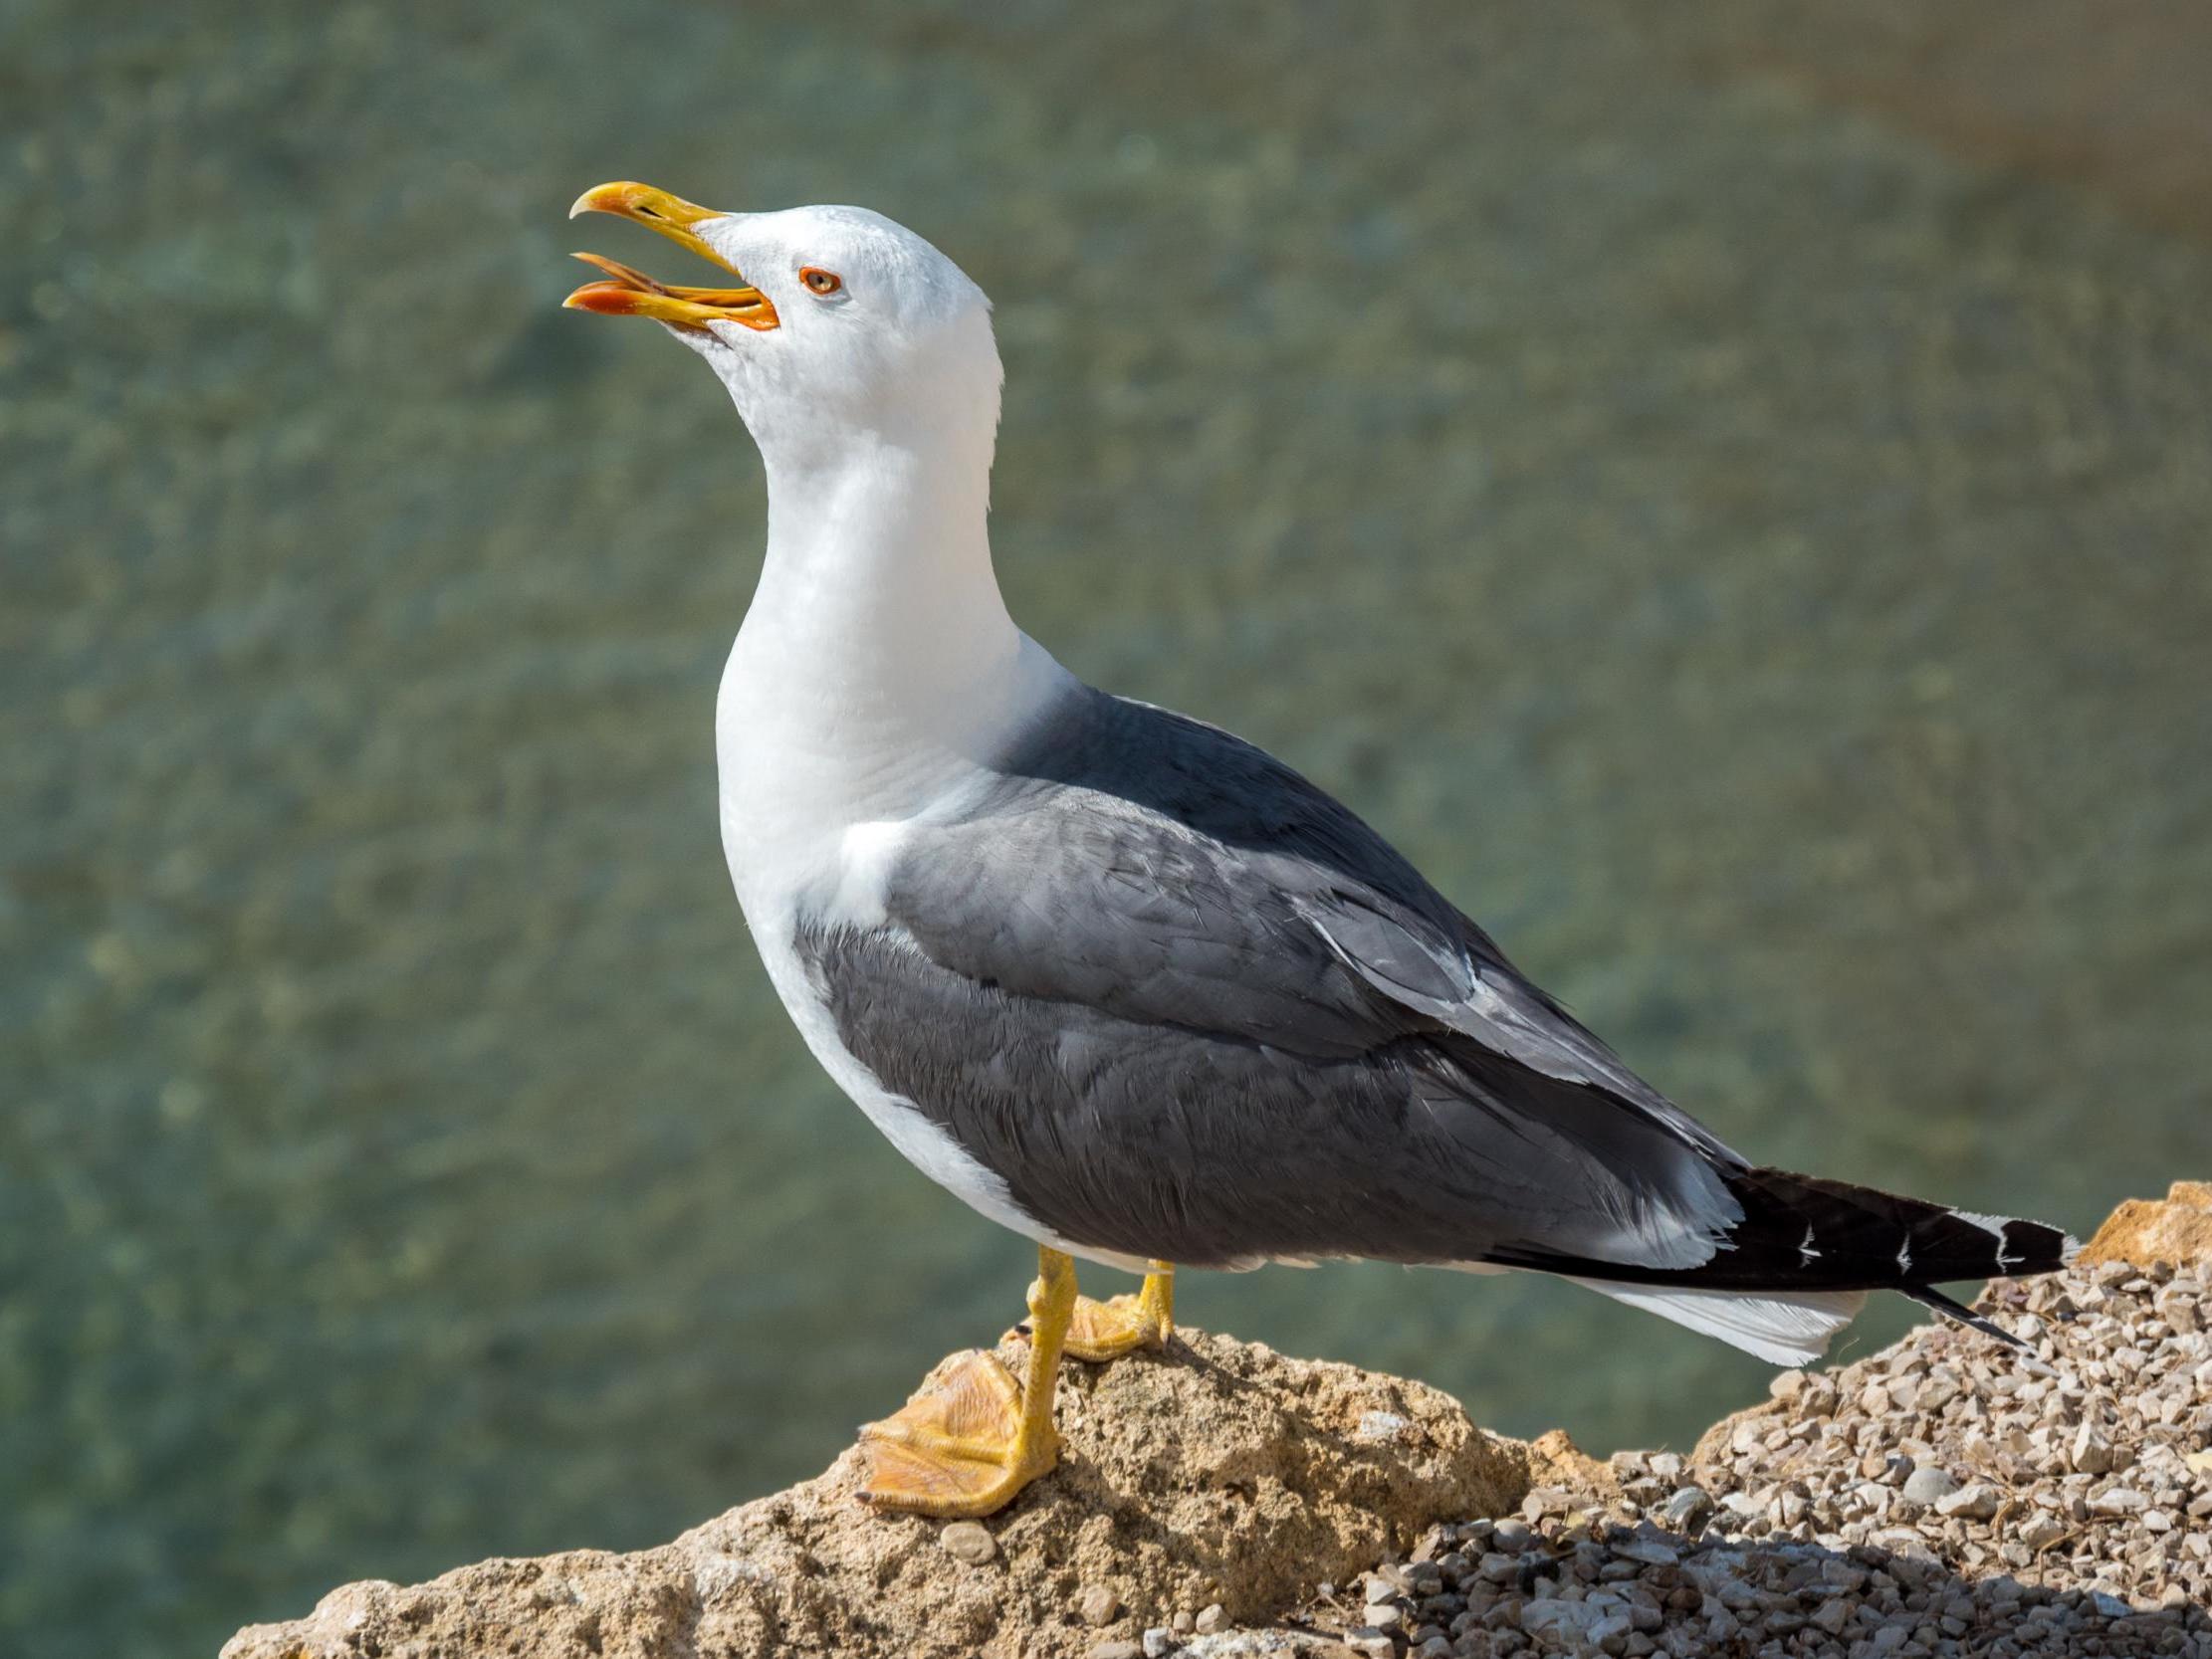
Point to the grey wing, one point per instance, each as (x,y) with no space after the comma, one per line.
(1187,1006)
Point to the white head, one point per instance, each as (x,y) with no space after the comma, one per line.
(848,334)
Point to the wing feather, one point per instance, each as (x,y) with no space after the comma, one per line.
(1155,929)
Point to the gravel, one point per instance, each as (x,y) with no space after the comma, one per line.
(1941,1497)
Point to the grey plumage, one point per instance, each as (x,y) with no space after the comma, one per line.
(1186,1005)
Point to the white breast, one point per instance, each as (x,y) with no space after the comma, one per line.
(814,818)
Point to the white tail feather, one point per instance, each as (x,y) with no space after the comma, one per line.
(1785,1327)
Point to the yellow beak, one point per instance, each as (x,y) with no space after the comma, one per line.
(629,293)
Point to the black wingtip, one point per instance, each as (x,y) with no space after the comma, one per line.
(1959,1314)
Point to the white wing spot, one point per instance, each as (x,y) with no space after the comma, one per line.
(1993,1224)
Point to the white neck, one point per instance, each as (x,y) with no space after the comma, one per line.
(877,667)
(878,576)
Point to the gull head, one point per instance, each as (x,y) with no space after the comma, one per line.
(842,328)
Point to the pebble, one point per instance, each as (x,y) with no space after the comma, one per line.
(970,1541)
(1562,1622)
(1211,1619)
(1098,1606)
(2093,1452)
(1930,1485)
(1160,1641)
(1118,1650)
(1977,1502)
(1825,1529)
(1499,1569)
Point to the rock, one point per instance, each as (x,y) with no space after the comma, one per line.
(1380,1426)
(2145,1230)
(1499,1569)
(1610,1634)
(2092,1450)
(970,1541)
(1546,1501)
(1512,1535)
(1238,1471)
(1563,1622)
(2179,1308)
(1929,1485)
(1229,1478)
(1977,1502)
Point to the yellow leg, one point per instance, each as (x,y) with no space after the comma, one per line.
(1103,1330)
(974,1437)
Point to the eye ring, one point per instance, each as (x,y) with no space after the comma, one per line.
(820,283)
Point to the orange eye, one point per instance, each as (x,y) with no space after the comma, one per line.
(818,280)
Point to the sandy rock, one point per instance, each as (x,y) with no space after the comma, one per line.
(1218,1475)
(1945,1495)
(2178,1228)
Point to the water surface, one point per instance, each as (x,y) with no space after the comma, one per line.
(1751,551)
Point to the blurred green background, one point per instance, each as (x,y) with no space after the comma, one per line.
(1726,485)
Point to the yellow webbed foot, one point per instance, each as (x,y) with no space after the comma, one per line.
(958,1449)
(974,1437)
(1103,1330)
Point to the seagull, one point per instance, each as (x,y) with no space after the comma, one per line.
(1126,984)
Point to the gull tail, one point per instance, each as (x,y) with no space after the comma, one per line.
(1797,1267)
(1806,1231)
(1783,1328)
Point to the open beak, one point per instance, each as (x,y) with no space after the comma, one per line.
(628,293)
